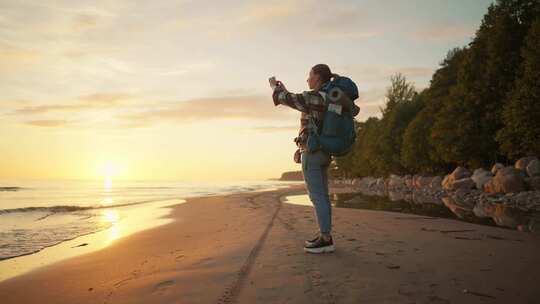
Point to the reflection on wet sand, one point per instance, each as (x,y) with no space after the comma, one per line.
(123,221)
(393,204)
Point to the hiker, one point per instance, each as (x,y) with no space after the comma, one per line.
(314,164)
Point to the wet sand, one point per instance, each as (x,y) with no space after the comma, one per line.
(247,248)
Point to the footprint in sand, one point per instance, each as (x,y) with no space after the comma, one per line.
(204,261)
(163,286)
(316,278)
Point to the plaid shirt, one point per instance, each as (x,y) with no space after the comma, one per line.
(309,103)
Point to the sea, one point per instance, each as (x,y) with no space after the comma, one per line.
(38,214)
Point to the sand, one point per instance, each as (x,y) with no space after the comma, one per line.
(248,248)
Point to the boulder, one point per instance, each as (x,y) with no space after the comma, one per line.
(395,182)
(533,168)
(533,183)
(461,202)
(409,181)
(425,197)
(480,177)
(521,164)
(484,208)
(496,168)
(464,184)
(507,180)
(422,182)
(436,183)
(457,174)
(396,195)
(507,216)
(534,224)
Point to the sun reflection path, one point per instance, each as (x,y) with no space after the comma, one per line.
(111,216)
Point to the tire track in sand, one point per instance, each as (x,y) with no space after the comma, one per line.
(233,290)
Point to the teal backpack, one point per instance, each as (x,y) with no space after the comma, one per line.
(338,132)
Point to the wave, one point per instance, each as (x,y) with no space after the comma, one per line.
(10,188)
(71,208)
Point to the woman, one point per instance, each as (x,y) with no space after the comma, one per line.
(314,164)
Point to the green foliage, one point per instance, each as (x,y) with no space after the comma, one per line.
(482,105)
(521,113)
(401,107)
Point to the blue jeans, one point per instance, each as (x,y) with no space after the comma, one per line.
(315,170)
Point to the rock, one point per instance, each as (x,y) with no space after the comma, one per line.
(533,183)
(480,177)
(521,164)
(409,181)
(436,183)
(527,201)
(510,210)
(506,180)
(460,173)
(465,184)
(422,182)
(507,170)
(457,174)
(480,171)
(483,208)
(523,228)
(533,168)
(461,203)
(397,195)
(425,197)
(483,181)
(507,216)
(534,224)
(496,168)
(395,182)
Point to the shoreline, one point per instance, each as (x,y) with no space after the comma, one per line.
(247,248)
(96,240)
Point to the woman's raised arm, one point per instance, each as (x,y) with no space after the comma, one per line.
(303,102)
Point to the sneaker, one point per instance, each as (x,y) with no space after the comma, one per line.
(313,240)
(320,246)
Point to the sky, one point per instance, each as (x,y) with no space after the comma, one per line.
(178,90)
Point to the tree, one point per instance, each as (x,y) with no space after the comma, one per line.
(521,114)
(418,151)
(401,107)
(464,131)
(482,105)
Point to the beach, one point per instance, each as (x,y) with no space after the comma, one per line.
(248,248)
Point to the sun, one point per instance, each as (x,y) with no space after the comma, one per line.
(109,170)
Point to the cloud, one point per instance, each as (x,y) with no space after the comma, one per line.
(382,73)
(255,107)
(295,19)
(369,102)
(47,123)
(84,22)
(122,114)
(84,102)
(268,129)
(371,97)
(444,32)
(15,56)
